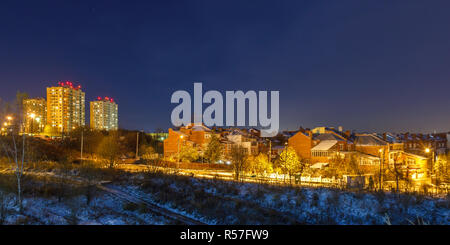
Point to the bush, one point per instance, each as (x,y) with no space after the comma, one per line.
(380,196)
(130,206)
(333,198)
(315,200)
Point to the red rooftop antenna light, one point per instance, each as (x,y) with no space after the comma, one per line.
(69,84)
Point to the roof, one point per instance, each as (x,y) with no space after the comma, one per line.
(324,145)
(200,128)
(237,131)
(359,154)
(328,136)
(409,153)
(369,140)
(391,138)
(289,133)
(278,147)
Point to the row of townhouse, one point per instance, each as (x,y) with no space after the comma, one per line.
(413,153)
(198,136)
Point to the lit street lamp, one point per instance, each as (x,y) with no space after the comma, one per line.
(32,116)
(7,124)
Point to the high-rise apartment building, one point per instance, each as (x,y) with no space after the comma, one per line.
(65,107)
(34,115)
(104,114)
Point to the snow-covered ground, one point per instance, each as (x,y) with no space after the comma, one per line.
(224,202)
(304,206)
(104,209)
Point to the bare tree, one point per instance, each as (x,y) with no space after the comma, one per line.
(214,150)
(290,163)
(13,146)
(396,171)
(15,152)
(109,149)
(238,159)
(89,173)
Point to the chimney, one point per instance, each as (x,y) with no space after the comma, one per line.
(340,129)
(348,133)
(384,136)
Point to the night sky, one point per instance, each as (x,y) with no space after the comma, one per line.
(366,65)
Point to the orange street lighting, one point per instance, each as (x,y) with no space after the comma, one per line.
(32,115)
(427,150)
(9,118)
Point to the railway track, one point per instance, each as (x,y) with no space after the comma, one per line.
(151,206)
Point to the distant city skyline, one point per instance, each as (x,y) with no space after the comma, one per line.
(367,66)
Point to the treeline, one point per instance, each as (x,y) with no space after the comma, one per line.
(97,145)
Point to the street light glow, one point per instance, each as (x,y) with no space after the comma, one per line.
(427,150)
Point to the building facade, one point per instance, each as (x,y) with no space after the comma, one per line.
(34,115)
(65,107)
(197,136)
(104,114)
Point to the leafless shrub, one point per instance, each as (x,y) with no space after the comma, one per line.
(418,221)
(315,200)
(3,208)
(333,198)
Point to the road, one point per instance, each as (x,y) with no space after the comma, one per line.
(220,174)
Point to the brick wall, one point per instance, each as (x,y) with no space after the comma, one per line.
(302,144)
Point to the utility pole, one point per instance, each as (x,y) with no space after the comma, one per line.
(137,145)
(82,140)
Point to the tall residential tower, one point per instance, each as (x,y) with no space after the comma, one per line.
(65,107)
(104,114)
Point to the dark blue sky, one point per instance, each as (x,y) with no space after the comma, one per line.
(365,65)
